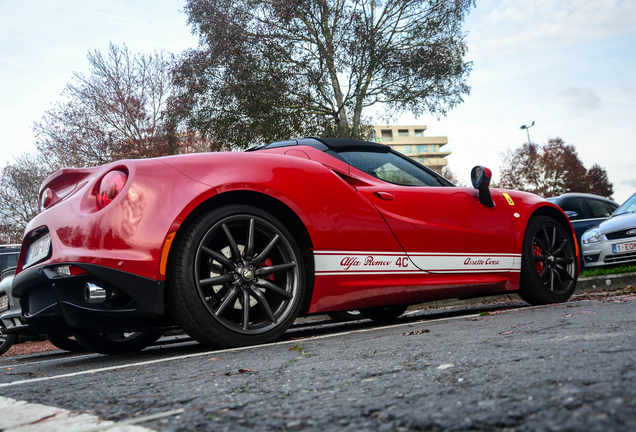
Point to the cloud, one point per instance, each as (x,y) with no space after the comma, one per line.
(504,27)
(581,100)
(629,182)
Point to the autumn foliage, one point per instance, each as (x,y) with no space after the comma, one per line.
(551,170)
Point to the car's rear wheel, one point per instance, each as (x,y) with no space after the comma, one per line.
(65,342)
(383,313)
(548,265)
(117,343)
(6,341)
(236,277)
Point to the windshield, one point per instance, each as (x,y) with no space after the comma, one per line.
(628,206)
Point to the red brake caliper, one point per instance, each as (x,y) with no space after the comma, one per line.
(536,250)
(267,263)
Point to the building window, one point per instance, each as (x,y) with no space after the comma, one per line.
(387,135)
(419,132)
(407,149)
(422,148)
(435,147)
(403,132)
(420,159)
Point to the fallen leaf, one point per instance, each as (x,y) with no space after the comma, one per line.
(214,358)
(416,332)
(296,348)
(568,316)
(246,370)
(374,351)
(445,366)
(506,333)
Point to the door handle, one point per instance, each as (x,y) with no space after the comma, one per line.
(384,195)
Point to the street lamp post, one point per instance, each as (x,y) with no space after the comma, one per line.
(527,131)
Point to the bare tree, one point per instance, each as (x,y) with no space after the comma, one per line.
(116,111)
(19,195)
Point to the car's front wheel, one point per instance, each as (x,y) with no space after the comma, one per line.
(236,277)
(548,264)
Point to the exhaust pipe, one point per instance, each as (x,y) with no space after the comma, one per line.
(94,294)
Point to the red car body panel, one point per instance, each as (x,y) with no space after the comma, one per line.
(373,243)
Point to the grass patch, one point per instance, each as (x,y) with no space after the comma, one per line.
(608,271)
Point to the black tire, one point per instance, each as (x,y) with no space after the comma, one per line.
(383,313)
(6,341)
(344,316)
(548,264)
(64,342)
(116,343)
(236,277)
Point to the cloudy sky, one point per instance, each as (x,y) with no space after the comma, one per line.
(567,65)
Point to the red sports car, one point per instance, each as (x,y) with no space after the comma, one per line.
(232,247)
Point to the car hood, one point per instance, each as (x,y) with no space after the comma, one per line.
(620,222)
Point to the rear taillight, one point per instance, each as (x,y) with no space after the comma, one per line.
(111,185)
(47,198)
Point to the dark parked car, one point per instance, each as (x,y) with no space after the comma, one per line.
(584,210)
(8,256)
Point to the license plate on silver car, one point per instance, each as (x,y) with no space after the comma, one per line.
(624,247)
(38,250)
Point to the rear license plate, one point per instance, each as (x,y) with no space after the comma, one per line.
(38,250)
(624,247)
(4,303)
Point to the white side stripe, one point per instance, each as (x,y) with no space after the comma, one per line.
(370,262)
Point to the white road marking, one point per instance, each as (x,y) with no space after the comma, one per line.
(21,416)
(187,356)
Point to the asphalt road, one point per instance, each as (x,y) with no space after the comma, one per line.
(566,367)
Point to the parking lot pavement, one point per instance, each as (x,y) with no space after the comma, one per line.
(558,367)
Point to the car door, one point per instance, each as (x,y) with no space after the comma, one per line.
(443,229)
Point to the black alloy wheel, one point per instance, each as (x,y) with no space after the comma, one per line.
(236,278)
(548,267)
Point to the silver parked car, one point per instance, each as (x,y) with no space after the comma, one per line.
(613,241)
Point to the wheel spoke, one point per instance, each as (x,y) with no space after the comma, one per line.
(551,280)
(558,277)
(561,246)
(219,257)
(275,268)
(260,298)
(249,250)
(542,258)
(268,285)
(554,235)
(233,247)
(565,260)
(541,244)
(545,269)
(261,256)
(246,309)
(217,280)
(565,273)
(228,300)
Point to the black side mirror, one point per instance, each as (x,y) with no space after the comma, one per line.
(480,177)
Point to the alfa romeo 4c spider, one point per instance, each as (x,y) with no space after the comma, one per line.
(233,247)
